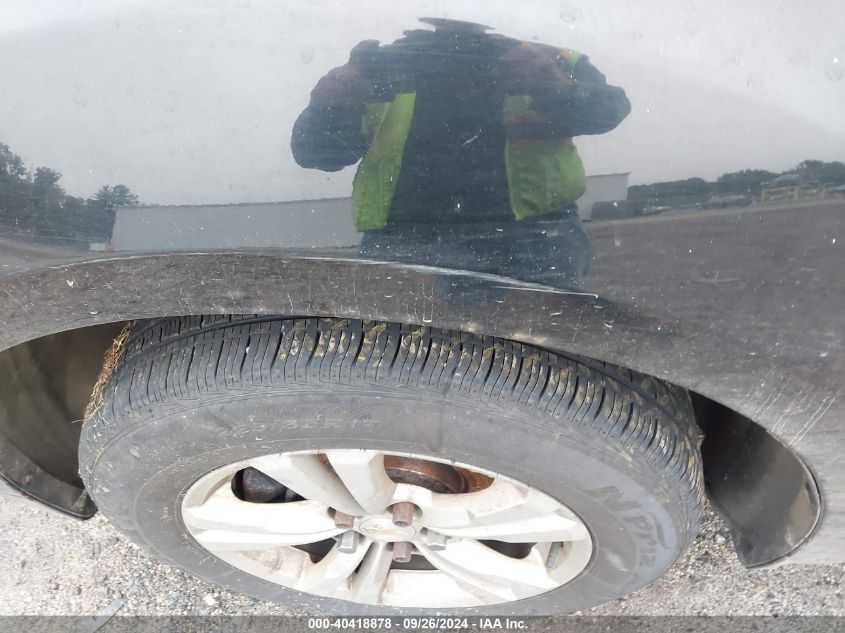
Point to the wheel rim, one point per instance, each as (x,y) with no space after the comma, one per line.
(344,526)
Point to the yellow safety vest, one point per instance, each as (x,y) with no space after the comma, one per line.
(543,174)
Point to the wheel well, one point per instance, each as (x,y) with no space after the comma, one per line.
(762,488)
(45,385)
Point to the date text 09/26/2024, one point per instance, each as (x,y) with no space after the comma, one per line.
(417,623)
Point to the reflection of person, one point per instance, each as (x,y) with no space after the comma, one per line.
(465,142)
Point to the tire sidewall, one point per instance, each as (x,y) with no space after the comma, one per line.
(639,522)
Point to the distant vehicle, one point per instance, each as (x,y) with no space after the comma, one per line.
(722,201)
(652,210)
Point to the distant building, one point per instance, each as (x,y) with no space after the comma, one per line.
(603,188)
(326,223)
(791,187)
(299,223)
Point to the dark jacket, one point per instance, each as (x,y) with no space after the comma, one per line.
(453,167)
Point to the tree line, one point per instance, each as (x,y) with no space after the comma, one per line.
(33,202)
(747,182)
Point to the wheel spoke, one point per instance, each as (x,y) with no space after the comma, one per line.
(550,527)
(503,512)
(368,584)
(310,477)
(224,522)
(364,476)
(334,570)
(488,574)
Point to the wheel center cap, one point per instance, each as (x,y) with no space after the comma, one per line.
(383,529)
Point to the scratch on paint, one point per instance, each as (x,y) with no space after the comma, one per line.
(814,419)
(555,291)
(797,408)
(15,299)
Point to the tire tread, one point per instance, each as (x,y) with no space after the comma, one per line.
(169,362)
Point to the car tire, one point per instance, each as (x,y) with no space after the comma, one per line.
(186,396)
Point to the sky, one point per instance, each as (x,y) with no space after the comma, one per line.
(193,102)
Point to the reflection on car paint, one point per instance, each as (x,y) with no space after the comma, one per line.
(465,143)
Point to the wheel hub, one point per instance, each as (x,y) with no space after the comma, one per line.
(386,529)
(383,529)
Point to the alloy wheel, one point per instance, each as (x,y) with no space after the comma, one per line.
(387,529)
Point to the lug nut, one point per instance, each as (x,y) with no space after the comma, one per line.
(348,542)
(436,542)
(402,552)
(403,513)
(343,520)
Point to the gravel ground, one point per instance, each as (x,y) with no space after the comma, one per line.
(50,565)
